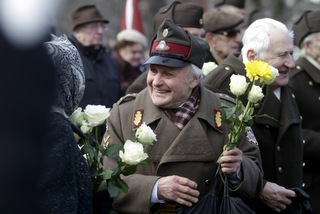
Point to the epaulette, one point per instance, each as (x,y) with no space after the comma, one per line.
(296,70)
(127,98)
(226,97)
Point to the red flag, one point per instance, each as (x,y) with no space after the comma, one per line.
(131,18)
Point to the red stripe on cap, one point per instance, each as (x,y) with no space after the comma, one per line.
(174,49)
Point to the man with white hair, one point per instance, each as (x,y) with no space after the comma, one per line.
(280,138)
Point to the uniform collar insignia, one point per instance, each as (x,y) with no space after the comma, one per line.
(217,119)
(137,119)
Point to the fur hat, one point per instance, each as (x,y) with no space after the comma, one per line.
(308,23)
(175,47)
(182,14)
(86,14)
(215,20)
(132,36)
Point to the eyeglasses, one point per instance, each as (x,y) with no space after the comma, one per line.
(96,25)
(229,33)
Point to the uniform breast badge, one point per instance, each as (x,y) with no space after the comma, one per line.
(137,119)
(250,136)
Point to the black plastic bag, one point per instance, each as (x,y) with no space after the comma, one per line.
(213,203)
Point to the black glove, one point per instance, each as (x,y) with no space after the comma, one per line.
(302,200)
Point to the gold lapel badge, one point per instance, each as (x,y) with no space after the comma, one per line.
(217,119)
(137,120)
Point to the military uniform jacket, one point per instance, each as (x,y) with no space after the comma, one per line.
(191,152)
(280,142)
(305,80)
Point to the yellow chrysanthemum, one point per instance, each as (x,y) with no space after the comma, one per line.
(258,69)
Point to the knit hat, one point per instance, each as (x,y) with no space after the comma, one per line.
(86,14)
(308,23)
(215,20)
(182,14)
(69,72)
(173,46)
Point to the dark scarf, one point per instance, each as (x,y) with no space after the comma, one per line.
(181,116)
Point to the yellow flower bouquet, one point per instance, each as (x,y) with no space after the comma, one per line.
(240,116)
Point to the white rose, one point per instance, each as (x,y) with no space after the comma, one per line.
(255,94)
(85,129)
(274,75)
(145,135)
(77,116)
(238,84)
(96,114)
(133,153)
(208,67)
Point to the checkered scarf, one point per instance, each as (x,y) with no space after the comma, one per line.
(182,116)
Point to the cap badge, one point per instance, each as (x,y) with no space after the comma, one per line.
(200,21)
(162,46)
(165,32)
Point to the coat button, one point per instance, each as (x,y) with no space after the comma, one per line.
(303,141)
(267,126)
(293,96)
(303,164)
(301,117)
(207,182)
(280,169)
(227,68)
(310,83)
(303,185)
(298,67)
(278,148)
(319,98)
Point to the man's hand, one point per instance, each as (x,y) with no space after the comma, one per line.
(178,189)
(231,161)
(276,197)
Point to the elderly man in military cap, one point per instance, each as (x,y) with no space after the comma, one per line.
(186,15)
(222,29)
(279,137)
(185,117)
(305,80)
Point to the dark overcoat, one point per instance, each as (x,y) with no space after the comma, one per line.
(280,142)
(191,152)
(305,81)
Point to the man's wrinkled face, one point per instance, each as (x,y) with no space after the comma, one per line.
(280,56)
(91,33)
(313,48)
(170,87)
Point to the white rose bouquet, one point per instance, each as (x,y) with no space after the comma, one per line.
(240,116)
(130,155)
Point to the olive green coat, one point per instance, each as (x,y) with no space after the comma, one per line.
(305,80)
(280,142)
(191,153)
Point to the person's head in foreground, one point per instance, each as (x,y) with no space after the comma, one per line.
(270,41)
(176,58)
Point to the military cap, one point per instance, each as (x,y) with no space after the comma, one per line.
(216,20)
(86,14)
(173,46)
(308,23)
(182,14)
(236,3)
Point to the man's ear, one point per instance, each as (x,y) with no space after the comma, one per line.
(251,55)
